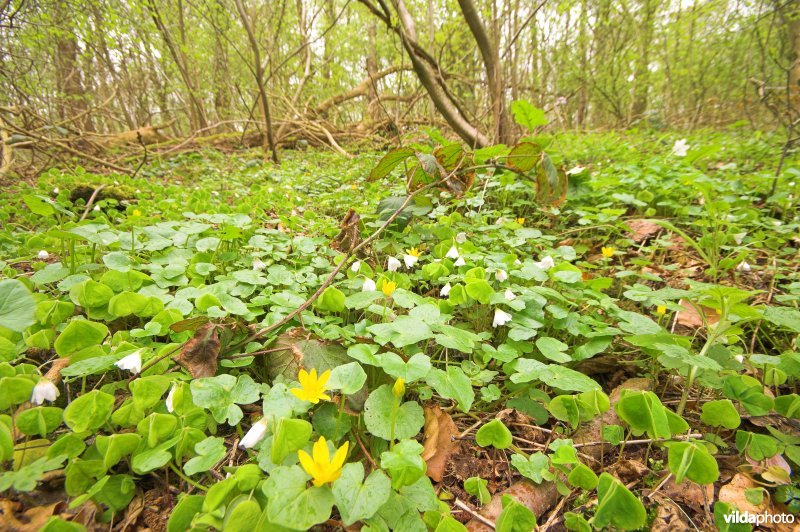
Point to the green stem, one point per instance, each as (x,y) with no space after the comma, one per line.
(187,479)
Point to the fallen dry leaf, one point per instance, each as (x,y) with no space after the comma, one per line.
(689,317)
(439,443)
(689,493)
(734,493)
(643,230)
(199,355)
(669,517)
(539,498)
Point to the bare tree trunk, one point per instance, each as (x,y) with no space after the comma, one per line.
(70,78)
(491,62)
(642,71)
(258,73)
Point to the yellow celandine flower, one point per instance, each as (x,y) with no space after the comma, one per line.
(607,252)
(414,252)
(321,468)
(661,310)
(312,387)
(388,288)
(399,388)
(137,212)
(521,221)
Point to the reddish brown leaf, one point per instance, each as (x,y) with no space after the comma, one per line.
(439,443)
(643,230)
(199,355)
(537,497)
(689,317)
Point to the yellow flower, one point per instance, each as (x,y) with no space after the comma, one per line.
(321,468)
(353,186)
(661,310)
(399,388)
(414,252)
(607,252)
(312,388)
(521,221)
(388,288)
(137,212)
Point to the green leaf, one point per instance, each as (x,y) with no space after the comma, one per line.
(359,499)
(453,384)
(536,467)
(756,446)
(349,378)
(749,392)
(720,413)
(116,447)
(78,335)
(40,420)
(209,451)
(17,306)
(617,506)
(243,517)
(404,463)
(693,461)
(221,394)
(494,433)
(644,412)
(560,377)
(553,349)
(526,115)
(582,477)
(293,505)
(785,317)
(476,486)
(90,294)
(378,411)
(331,300)
(514,517)
(89,411)
(389,161)
(290,435)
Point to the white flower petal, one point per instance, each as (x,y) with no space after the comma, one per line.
(44,390)
(452,253)
(445,291)
(680,148)
(355,266)
(459,262)
(170,397)
(461,237)
(255,434)
(392,264)
(744,266)
(410,260)
(501,275)
(258,265)
(546,263)
(43,255)
(368,286)
(132,363)
(575,170)
(501,318)
(509,295)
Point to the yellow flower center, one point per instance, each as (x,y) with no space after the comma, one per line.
(661,310)
(137,212)
(312,388)
(388,288)
(521,221)
(414,252)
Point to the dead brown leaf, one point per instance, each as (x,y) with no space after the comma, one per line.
(689,317)
(669,517)
(690,494)
(629,470)
(439,443)
(349,233)
(539,498)
(734,493)
(199,355)
(643,230)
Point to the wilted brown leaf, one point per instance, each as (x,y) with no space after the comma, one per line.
(668,517)
(199,355)
(349,233)
(734,493)
(439,443)
(537,497)
(690,494)
(643,230)
(689,317)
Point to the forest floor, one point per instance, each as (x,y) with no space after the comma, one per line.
(626,358)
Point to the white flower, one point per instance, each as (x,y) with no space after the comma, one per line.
(500,318)
(739,358)
(452,253)
(116,183)
(138,191)
(680,148)
(392,264)
(43,255)
(575,170)
(561,100)
(744,266)
(368,286)
(546,263)
(132,362)
(459,262)
(44,390)
(501,275)
(517,262)
(461,237)
(739,238)
(96,208)
(56,191)
(410,260)
(170,396)
(445,291)
(258,264)
(509,295)
(255,434)
(355,266)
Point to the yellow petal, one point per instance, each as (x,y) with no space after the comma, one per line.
(323,379)
(324,397)
(302,377)
(308,463)
(340,456)
(299,393)
(322,455)
(313,376)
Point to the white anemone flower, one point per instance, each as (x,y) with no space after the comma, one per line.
(392,264)
(501,318)
(44,390)
(509,295)
(368,286)
(546,263)
(739,358)
(258,265)
(744,266)
(170,397)
(56,191)
(132,362)
(680,148)
(452,253)
(459,262)
(43,255)
(96,208)
(461,237)
(575,170)
(355,266)
(445,291)
(410,260)
(501,275)
(254,436)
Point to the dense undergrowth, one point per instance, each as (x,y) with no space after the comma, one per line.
(152,366)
